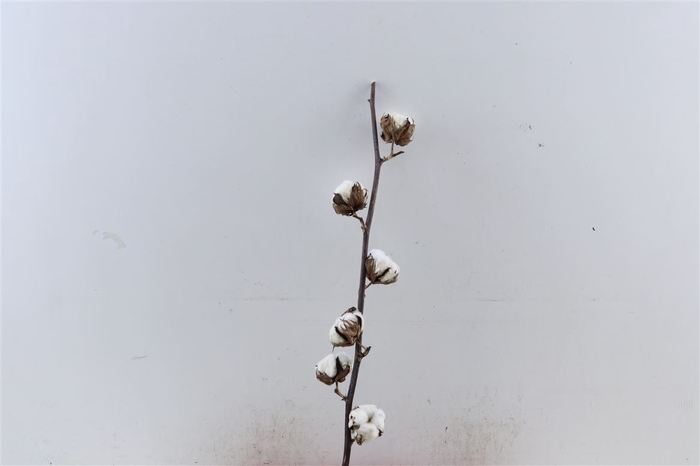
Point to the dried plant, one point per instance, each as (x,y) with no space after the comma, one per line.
(363,423)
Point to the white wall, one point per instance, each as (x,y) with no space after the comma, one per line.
(208,139)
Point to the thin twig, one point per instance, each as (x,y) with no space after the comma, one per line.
(347,448)
(338,392)
(362,222)
(392,155)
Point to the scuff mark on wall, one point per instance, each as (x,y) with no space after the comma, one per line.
(114,237)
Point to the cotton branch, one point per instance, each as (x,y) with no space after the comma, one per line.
(366,422)
(396,129)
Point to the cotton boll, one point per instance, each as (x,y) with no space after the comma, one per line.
(380,268)
(366,433)
(347,328)
(361,415)
(325,369)
(349,198)
(334,368)
(397,128)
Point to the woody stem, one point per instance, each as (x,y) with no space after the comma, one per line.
(347,447)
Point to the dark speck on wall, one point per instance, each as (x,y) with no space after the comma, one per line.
(593,228)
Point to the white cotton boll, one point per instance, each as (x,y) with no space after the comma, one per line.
(347,328)
(349,198)
(361,415)
(378,420)
(380,268)
(397,128)
(366,433)
(334,368)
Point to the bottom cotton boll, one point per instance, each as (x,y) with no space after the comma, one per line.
(361,415)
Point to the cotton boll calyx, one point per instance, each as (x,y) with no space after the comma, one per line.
(347,328)
(380,268)
(334,368)
(365,433)
(349,197)
(397,128)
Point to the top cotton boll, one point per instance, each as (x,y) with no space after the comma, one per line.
(380,268)
(397,128)
(349,197)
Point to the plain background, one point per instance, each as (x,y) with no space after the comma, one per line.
(172,263)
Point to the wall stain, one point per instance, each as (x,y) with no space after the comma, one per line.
(476,436)
(113,236)
(283,434)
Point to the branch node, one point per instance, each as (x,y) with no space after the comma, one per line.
(364,351)
(392,155)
